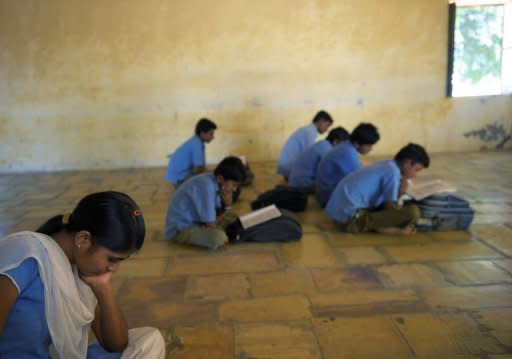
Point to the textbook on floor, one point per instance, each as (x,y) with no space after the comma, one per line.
(259,216)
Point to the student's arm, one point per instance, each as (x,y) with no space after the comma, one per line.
(404,184)
(388,205)
(198,169)
(108,325)
(7,299)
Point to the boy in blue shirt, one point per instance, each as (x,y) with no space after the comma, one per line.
(366,200)
(343,160)
(300,140)
(198,212)
(303,171)
(189,158)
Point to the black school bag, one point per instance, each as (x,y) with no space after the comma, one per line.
(285,228)
(290,198)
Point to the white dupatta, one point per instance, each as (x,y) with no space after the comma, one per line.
(69,302)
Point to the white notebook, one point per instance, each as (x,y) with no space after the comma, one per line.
(259,216)
(420,190)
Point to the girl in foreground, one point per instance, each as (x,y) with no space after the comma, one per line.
(56,285)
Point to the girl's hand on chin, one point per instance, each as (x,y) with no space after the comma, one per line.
(98,282)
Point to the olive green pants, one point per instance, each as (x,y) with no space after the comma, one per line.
(209,237)
(368,220)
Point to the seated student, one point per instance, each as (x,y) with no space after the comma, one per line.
(56,284)
(366,200)
(193,213)
(303,170)
(343,160)
(300,140)
(189,158)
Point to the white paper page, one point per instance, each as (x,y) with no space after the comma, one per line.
(259,216)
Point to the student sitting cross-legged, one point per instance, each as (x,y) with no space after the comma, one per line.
(343,160)
(303,170)
(199,212)
(366,200)
(300,140)
(56,285)
(189,158)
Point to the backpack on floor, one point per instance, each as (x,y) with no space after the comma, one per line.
(285,228)
(444,213)
(290,198)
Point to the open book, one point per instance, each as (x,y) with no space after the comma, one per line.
(420,190)
(259,216)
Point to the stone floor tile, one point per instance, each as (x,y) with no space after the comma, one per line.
(294,340)
(312,251)
(427,335)
(362,338)
(340,239)
(505,264)
(451,236)
(293,307)
(282,283)
(353,278)
(411,275)
(365,302)
(468,297)
(144,290)
(142,267)
(217,287)
(203,341)
(498,236)
(441,251)
(210,263)
(363,255)
(474,272)
(473,338)
(499,322)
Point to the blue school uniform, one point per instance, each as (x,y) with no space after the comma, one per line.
(194,203)
(341,161)
(25,334)
(303,171)
(367,188)
(186,157)
(299,141)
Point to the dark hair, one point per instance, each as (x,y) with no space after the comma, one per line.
(338,133)
(204,125)
(113,219)
(231,169)
(415,153)
(322,116)
(365,134)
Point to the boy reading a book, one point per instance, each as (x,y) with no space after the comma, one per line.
(366,200)
(199,212)
(303,171)
(189,158)
(300,140)
(343,160)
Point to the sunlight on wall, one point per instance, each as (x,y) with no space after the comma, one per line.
(101,84)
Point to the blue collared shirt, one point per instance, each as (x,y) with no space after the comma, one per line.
(368,188)
(303,171)
(299,141)
(340,162)
(186,157)
(194,203)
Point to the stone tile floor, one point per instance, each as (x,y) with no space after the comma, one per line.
(332,295)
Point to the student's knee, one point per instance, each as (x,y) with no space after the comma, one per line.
(413,213)
(146,342)
(217,239)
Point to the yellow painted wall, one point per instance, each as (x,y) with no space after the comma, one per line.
(120,83)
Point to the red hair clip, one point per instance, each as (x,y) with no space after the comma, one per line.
(136,213)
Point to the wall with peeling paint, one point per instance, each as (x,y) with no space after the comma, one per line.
(121,83)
